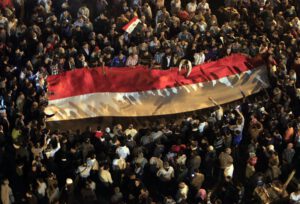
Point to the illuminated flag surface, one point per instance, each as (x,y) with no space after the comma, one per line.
(130,92)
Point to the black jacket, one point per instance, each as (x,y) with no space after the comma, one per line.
(164,63)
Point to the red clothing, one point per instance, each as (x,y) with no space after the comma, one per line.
(252,161)
(175,148)
(178,148)
(6,3)
(289,134)
(99,134)
(183,15)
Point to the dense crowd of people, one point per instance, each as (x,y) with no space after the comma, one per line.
(214,156)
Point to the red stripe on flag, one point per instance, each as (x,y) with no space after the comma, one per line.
(130,22)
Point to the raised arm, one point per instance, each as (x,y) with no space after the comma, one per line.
(53,152)
(244,95)
(189,68)
(214,102)
(241,114)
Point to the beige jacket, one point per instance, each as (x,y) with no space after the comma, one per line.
(225,160)
(105,176)
(5,194)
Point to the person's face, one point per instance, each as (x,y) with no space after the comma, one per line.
(34,36)
(228,51)
(290,146)
(65,14)
(228,151)
(148,34)
(34,168)
(6,182)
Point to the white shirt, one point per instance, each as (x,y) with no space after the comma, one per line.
(203,6)
(202,126)
(156,161)
(295,197)
(202,27)
(123,152)
(156,135)
(175,4)
(131,132)
(228,171)
(220,113)
(42,189)
(168,61)
(52,152)
(119,164)
(90,162)
(84,171)
(240,127)
(20,2)
(199,58)
(166,174)
(87,51)
(42,1)
(191,7)
(105,176)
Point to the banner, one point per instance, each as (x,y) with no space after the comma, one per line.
(130,92)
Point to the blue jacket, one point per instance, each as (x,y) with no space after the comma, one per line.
(117,62)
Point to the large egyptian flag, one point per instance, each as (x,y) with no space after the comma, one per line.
(130,92)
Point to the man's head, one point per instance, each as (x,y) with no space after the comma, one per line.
(210,148)
(166,165)
(228,150)
(6,181)
(137,182)
(117,189)
(290,146)
(168,51)
(120,55)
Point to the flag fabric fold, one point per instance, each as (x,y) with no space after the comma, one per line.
(130,92)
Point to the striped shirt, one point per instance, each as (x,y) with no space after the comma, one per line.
(132,60)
